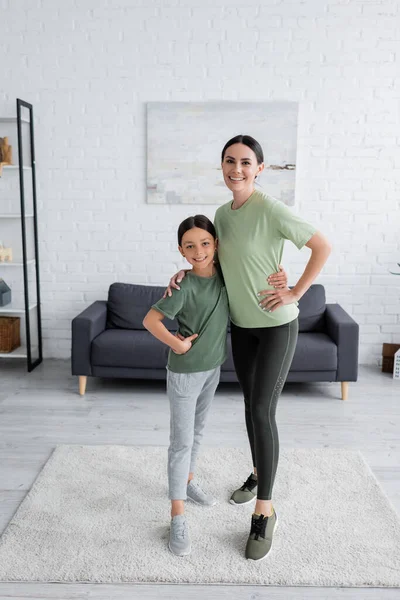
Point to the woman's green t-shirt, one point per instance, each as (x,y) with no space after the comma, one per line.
(251,242)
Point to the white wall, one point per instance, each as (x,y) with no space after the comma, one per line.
(89,67)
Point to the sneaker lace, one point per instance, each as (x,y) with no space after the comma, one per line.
(197,489)
(180,531)
(250,483)
(258,526)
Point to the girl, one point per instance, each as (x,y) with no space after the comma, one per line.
(194,361)
(252,228)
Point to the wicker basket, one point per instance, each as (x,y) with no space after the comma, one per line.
(9,334)
(388,352)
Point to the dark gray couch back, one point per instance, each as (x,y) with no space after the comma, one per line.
(312,309)
(128,304)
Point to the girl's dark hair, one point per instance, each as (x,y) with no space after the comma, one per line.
(249,141)
(199,221)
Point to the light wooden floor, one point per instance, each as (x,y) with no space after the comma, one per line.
(43,409)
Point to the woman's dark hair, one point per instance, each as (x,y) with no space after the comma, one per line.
(249,141)
(199,221)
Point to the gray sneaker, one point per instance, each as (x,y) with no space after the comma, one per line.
(247,492)
(196,494)
(179,539)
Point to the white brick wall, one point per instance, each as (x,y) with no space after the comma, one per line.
(89,67)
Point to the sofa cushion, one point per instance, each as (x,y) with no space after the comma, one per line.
(139,349)
(312,309)
(314,352)
(128,304)
(228,364)
(127,348)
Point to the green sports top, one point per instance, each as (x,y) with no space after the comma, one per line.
(251,241)
(200,306)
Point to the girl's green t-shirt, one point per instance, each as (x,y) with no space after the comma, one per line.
(251,241)
(200,306)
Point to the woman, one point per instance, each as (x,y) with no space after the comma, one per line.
(252,229)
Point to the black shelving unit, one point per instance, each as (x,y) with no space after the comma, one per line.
(34,349)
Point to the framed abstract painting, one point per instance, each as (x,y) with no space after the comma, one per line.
(185,140)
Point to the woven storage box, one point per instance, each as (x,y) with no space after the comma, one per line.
(388,352)
(9,333)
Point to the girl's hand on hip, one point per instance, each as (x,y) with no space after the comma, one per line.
(273,299)
(278,280)
(173,282)
(185,343)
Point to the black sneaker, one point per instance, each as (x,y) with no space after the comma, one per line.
(247,492)
(260,539)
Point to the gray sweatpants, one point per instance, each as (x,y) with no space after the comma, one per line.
(190,396)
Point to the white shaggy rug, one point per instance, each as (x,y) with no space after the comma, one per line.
(101,514)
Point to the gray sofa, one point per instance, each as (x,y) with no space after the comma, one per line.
(109,340)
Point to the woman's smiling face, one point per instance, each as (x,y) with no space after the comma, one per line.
(240,167)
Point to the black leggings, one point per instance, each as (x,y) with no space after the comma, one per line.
(262,358)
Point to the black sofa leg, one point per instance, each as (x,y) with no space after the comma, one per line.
(82,384)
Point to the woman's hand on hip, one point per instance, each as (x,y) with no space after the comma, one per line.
(270,300)
(173,282)
(278,280)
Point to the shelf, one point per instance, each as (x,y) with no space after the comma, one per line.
(15,168)
(9,308)
(14,264)
(20,352)
(23,140)
(13,120)
(15,216)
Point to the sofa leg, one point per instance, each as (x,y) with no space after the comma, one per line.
(345,390)
(82,384)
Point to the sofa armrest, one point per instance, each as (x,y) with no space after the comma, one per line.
(85,327)
(344,331)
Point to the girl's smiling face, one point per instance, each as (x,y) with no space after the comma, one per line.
(240,168)
(198,247)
